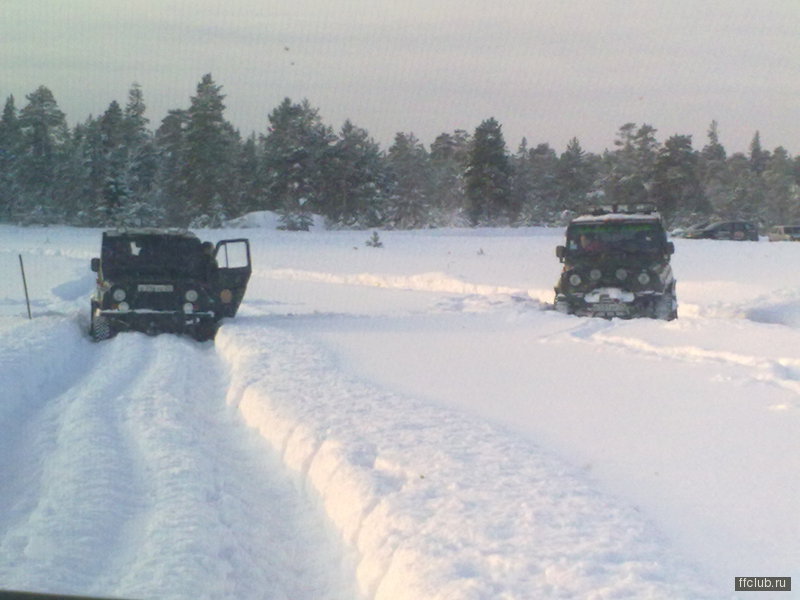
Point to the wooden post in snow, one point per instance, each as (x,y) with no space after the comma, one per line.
(25,285)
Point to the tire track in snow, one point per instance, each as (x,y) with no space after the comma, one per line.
(70,493)
(420,282)
(40,360)
(783,372)
(139,482)
(222,514)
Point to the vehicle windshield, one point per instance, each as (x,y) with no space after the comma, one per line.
(153,256)
(593,238)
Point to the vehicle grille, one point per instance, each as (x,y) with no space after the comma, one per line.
(156,301)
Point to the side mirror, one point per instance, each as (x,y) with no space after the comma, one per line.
(95,264)
(560,251)
(670,248)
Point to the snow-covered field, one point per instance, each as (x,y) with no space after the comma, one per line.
(406,422)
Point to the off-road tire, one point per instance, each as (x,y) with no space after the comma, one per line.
(665,308)
(101,328)
(562,306)
(204,332)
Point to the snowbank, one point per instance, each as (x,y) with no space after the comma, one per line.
(265,219)
(435,505)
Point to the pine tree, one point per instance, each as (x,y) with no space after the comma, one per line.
(93,160)
(576,176)
(248,176)
(141,164)
(748,193)
(676,182)
(628,171)
(114,192)
(758,156)
(374,241)
(210,149)
(355,180)
(295,150)
(135,123)
(781,191)
(796,169)
(113,161)
(523,182)
(409,200)
(171,188)
(714,173)
(488,177)
(448,161)
(10,149)
(713,151)
(535,185)
(44,138)
(83,156)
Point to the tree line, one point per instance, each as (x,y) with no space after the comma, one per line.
(195,169)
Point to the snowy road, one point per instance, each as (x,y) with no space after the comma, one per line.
(125,473)
(403,423)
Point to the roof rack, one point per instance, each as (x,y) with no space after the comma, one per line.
(180,231)
(645,208)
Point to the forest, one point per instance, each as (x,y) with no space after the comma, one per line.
(196,170)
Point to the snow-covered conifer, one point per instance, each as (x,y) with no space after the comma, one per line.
(409,202)
(44,140)
(488,177)
(355,180)
(292,174)
(209,154)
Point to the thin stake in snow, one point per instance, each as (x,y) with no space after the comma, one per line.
(25,285)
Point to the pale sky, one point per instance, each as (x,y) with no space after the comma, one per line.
(546,70)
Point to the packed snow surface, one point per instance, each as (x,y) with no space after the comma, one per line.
(406,422)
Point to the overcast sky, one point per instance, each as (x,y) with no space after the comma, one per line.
(546,70)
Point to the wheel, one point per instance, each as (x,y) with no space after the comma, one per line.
(562,306)
(204,331)
(665,308)
(100,328)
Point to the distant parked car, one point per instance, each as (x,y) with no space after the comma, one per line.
(784,233)
(683,232)
(727,230)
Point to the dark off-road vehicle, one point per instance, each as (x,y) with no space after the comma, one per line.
(166,280)
(728,230)
(616,264)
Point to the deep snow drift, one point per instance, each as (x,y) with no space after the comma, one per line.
(402,422)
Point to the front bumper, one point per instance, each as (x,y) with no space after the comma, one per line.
(158,321)
(609,303)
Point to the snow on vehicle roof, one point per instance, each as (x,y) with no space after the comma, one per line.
(136,231)
(605,218)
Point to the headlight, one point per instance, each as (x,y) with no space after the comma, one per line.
(118,294)
(621,274)
(595,274)
(191,295)
(575,279)
(643,278)
(124,306)
(188,308)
